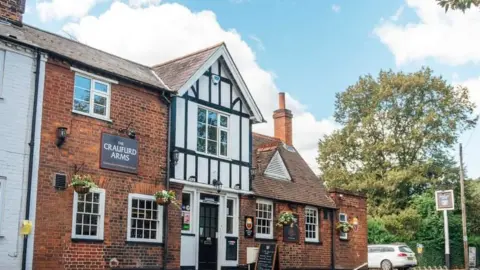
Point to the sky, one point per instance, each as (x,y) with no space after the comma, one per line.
(310,49)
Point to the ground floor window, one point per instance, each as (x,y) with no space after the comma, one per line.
(187,203)
(144,219)
(311,224)
(264,219)
(343,218)
(88,215)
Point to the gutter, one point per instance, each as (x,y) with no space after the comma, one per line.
(30,158)
(332,248)
(167,185)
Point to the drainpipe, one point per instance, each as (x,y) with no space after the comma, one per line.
(30,158)
(167,185)
(332,224)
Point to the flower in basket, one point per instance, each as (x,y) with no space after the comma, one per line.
(344,227)
(166,197)
(286,218)
(82,183)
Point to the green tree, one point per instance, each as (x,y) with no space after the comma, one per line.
(397,136)
(458,4)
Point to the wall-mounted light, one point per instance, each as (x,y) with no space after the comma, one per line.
(175,156)
(217,184)
(61,136)
(237,186)
(215,79)
(192,178)
(253,171)
(131,133)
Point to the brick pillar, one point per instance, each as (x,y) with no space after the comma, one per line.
(283,121)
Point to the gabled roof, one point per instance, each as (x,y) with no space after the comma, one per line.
(81,53)
(180,73)
(277,169)
(305,187)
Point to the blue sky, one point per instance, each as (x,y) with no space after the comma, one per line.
(311,49)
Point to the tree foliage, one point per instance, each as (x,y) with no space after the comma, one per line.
(397,136)
(458,4)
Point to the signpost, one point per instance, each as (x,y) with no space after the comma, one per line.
(444,201)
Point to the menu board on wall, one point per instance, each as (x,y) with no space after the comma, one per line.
(267,257)
(231,248)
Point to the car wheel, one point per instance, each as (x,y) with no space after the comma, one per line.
(386,265)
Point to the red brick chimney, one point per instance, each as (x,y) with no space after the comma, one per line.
(12,10)
(283,121)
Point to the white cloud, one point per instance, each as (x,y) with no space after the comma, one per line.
(143,3)
(336,8)
(158,33)
(61,9)
(259,42)
(397,14)
(451,38)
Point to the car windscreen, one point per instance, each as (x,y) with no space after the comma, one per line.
(405,249)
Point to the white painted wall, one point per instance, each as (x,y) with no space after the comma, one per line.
(16,109)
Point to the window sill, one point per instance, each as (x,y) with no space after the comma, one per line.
(265,239)
(135,242)
(187,234)
(344,239)
(231,237)
(214,156)
(86,240)
(93,116)
(311,242)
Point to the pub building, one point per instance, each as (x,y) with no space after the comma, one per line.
(186,126)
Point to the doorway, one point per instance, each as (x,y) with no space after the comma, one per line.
(208,228)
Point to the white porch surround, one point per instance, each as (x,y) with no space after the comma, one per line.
(209,188)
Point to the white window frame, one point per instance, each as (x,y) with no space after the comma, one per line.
(234,217)
(101,220)
(219,129)
(342,217)
(93,92)
(264,235)
(159,238)
(316,226)
(191,211)
(3,187)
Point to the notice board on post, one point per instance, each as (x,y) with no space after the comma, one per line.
(267,258)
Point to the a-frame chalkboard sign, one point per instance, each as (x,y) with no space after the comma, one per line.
(267,258)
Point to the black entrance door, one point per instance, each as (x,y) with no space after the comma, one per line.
(207,252)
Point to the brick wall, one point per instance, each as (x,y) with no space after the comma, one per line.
(54,248)
(353,252)
(12,9)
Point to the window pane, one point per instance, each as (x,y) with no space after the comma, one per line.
(230,225)
(223,136)
(81,106)
(101,87)
(212,118)
(201,145)
(230,207)
(212,147)
(82,94)
(201,130)
(100,100)
(223,121)
(186,211)
(98,109)
(223,149)
(212,133)
(202,115)
(82,82)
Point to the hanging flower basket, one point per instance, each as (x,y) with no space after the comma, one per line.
(82,183)
(166,197)
(344,227)
(286,218)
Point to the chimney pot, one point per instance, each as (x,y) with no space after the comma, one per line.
(281,100)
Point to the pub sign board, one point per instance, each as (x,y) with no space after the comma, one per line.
(119,153)
(444,200)
(249,228)
(291,232)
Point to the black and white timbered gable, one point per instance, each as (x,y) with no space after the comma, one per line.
(212,118)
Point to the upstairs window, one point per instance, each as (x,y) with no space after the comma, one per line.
(212,132)
(91,97)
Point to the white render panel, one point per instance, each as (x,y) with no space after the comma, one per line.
(190,166)
(235,175)
(16,112)
(180,123)
(245,139)
(203,87)
(215,68)
(202,170)
(188,245)
(235,137)
(213,170)
(179,167)
(215,93)
(225,102)
(225,174)
(245,180)
(226,74)
(192,126)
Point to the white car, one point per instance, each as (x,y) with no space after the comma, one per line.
(388,257)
